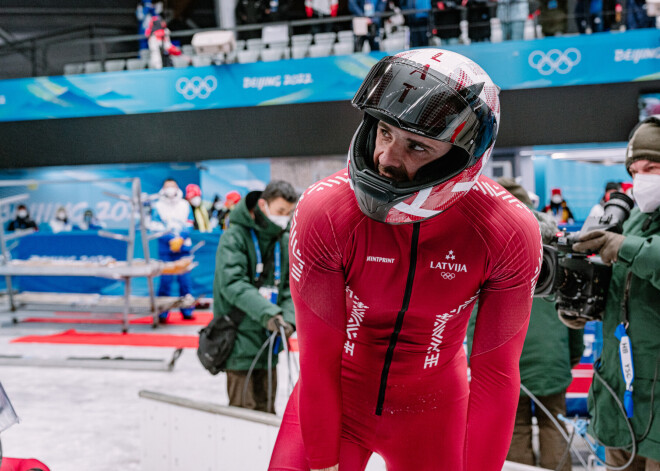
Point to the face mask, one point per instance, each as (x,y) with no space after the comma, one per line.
(196,201)
(217,206)
(281,221)
(646,190)
(61,216)
(22,213)
(556,199)
(170,192)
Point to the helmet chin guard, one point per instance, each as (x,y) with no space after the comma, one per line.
(435,94)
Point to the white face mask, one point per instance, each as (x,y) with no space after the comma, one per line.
(556,199)
(646,190)
(281,221)
(61,215)
(22,213)
(170,192)
(196,201)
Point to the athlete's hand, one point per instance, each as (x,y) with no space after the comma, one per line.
(604,242)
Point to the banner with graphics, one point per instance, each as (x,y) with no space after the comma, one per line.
(82,188)
(556,61)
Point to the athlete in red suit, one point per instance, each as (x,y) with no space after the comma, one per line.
(388,258)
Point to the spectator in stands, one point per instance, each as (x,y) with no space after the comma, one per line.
(251,12)
(368,9)
(146,9)
(559,208)
(89,222)
(512,15)
(251,286)
(589,16)
(553,17)
(172,214)
(417,22)
(598,209)
(160,46)
(231,200)
(636,16)
(22,220)
(321,9)
(201,220)
(61,222)
(550,351)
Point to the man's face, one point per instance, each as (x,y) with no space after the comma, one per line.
(400,154)
(170,184)
(644,166)
(278,207)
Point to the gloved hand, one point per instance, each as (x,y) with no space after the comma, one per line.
(334,9)
(276,321)
(572,322)
(309,12)
(604,242)
(176,243)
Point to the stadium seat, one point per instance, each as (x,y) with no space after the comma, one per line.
(255,44)
(272,54)
(240,44)
(320,50)
(247,56)
(346,37)
(92,67)
(201,60)
(275,34)
(181,61)
(299,51)
(72,69)
(343,48)
(136,64)
(325,38)
(115,65)
(395,44)
(301,39)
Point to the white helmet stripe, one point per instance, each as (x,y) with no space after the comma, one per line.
(415,208)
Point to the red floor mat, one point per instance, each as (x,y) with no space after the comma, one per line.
(101,338)
(201,318)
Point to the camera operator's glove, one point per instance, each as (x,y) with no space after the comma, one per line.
(276,321)
(607,244)
(571,321)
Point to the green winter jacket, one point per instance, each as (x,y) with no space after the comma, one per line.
(234,288)
(550,351)
(639,254)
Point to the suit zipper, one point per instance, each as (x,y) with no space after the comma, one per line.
(399,319)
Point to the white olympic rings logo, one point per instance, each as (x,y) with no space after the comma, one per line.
(555,60)
(448,275)
(196,87)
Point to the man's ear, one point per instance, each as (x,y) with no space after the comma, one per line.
(262,204)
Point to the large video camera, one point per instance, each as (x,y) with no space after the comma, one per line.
(579,281)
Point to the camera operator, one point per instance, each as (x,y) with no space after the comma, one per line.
(631,322)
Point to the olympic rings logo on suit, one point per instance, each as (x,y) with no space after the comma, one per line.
(196,87)
(448,275)
(555,60)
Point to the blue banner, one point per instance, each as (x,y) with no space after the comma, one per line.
(82,188)
(557,61)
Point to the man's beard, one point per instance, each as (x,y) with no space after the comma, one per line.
(397,174)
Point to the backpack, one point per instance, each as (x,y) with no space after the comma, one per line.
(216,342)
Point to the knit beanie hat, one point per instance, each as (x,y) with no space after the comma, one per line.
(644,143)
(516,190)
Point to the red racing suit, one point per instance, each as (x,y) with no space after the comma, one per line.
(381,313)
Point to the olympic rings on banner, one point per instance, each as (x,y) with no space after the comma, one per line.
(555,60)
(196,87)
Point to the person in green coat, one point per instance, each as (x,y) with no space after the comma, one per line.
(635,284)
(252,281)
(550,351)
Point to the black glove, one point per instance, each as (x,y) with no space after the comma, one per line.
(607,244)
(571,321)
(276,321)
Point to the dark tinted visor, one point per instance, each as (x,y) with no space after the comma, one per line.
(417,99)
